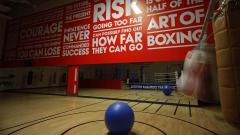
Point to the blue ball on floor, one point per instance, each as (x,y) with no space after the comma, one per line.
(167,90)
(119,118)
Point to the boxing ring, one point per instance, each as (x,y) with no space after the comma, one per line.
(150,92)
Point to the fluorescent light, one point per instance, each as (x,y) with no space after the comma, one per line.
(135,8)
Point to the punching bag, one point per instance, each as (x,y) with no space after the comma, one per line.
(199,77)
(226,26)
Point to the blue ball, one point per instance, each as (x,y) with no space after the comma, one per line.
(119,118)
(167,90)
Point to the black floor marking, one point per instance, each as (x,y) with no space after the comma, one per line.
(104,110)
(150,98)
(176,107)
(189,105)
(152,127)
(54,115)
(50,116)
(80,125)
(138,100)
(146,99)
(124,95)
(103,120)
(128,102)
(160,106)
(146,107)
(48,120)
(154,99)
(135,104)
(182,121)
(190,111)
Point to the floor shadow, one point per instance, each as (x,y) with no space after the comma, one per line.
(130,133)
(205,104)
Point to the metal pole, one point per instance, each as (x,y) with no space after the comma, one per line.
(207,18)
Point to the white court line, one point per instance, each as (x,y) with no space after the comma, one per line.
(118,27)
(175,29)
(179,46)
(175,10)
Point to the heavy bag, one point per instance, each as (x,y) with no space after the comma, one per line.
(226,27)
(199,77)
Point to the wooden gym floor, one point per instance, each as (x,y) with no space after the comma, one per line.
(34,114)
(147,96)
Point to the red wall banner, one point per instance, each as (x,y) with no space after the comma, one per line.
(106,31)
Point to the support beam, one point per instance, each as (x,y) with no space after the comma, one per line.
(72,87)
